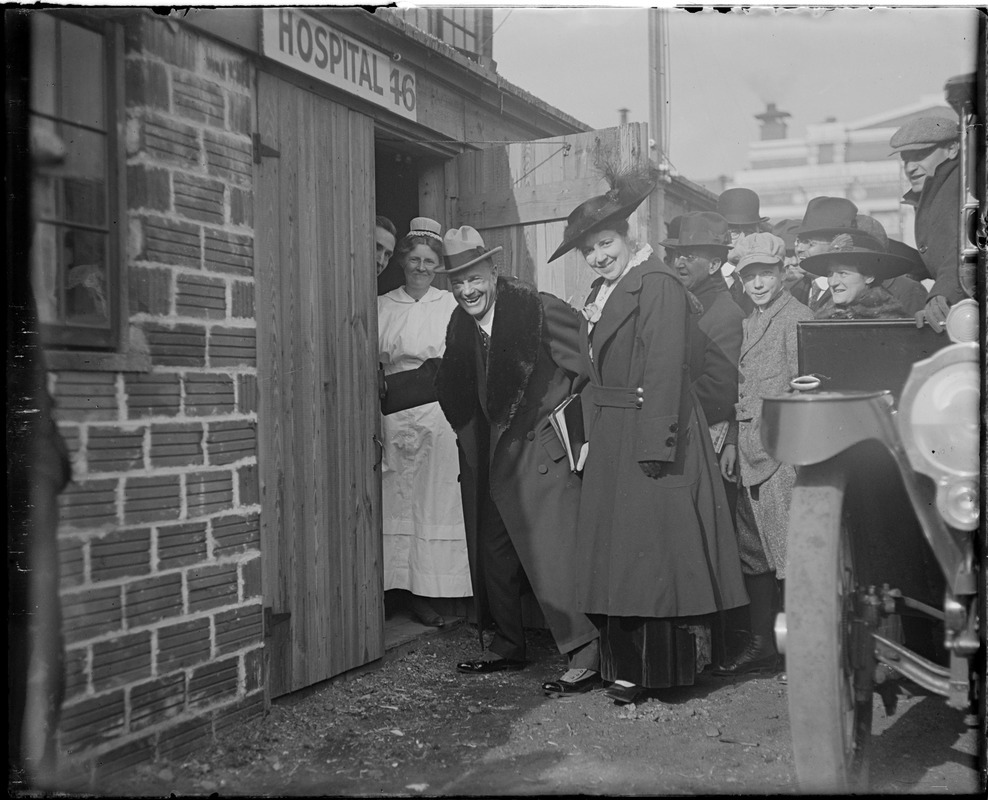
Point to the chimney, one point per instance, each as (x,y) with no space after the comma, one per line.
(624,115)
(774,125)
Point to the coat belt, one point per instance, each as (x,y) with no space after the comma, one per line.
(615,396)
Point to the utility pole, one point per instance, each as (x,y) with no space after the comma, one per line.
(656,115)
(656,81)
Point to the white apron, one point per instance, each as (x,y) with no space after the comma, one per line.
(425,547)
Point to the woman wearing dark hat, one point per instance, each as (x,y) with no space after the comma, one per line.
(655,544)
(906,287)
(855,267)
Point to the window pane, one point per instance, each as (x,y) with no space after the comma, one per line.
(42,64)
(82,76)
(45,268)
(85,201)
(86,290)
(85,153)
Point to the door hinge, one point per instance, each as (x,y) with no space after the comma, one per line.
(262,150)
(272,620)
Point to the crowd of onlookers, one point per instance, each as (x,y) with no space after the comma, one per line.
(669,535)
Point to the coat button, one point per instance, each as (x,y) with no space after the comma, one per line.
(922,248)
(674,427)
(543,469)
(531,436)
(670,441)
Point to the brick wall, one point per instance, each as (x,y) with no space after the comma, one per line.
(159,532)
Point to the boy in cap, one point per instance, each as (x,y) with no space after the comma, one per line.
(766,485)
(512,355)
(928,147)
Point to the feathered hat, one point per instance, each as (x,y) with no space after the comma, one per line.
(629,188)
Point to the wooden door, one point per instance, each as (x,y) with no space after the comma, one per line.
(519,195)
(317,418)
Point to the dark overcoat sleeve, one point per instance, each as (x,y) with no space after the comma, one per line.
(938,238)
(410,388)
(717,387)
(562,324)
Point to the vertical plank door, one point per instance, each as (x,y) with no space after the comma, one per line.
(519,195)
(317,359)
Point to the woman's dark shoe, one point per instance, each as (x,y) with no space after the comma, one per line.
(573,681)
(425,613)
(624,695)
(485,666)
(758,657)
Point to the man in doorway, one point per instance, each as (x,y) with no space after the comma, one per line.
(928,147)
(385,236)
(512,355)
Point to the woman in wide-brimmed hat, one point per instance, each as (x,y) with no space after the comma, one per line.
(655,544)
(855,266)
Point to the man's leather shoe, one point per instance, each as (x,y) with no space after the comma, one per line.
(624,695)
(486,666)
(573,681)
(758,657)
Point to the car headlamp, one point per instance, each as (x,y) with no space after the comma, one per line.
(962,321)
(939,425)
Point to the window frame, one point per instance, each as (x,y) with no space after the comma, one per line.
(103,349)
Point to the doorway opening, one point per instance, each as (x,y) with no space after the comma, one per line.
(396,185)
(398,169)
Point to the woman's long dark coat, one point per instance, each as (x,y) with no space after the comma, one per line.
(652,547)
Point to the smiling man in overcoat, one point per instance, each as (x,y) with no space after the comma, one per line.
(512,355)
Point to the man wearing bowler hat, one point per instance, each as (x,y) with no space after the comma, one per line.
(698,252)
(742,209)
(928,147)
(512,355)
(824,219)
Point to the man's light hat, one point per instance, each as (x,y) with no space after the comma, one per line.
(463,247)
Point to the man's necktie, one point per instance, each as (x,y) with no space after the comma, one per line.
(485,341)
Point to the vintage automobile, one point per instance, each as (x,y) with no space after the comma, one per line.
(883,573)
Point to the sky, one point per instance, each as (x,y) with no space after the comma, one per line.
(847,63)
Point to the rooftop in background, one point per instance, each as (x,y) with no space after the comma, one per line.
(837,159)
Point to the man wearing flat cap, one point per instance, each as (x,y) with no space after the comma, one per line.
(928,147)
(768,362)
(512,355)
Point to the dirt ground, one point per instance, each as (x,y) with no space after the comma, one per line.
(414,726)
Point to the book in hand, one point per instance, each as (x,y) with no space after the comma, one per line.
(567,421)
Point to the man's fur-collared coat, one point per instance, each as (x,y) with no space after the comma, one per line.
(507,446)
